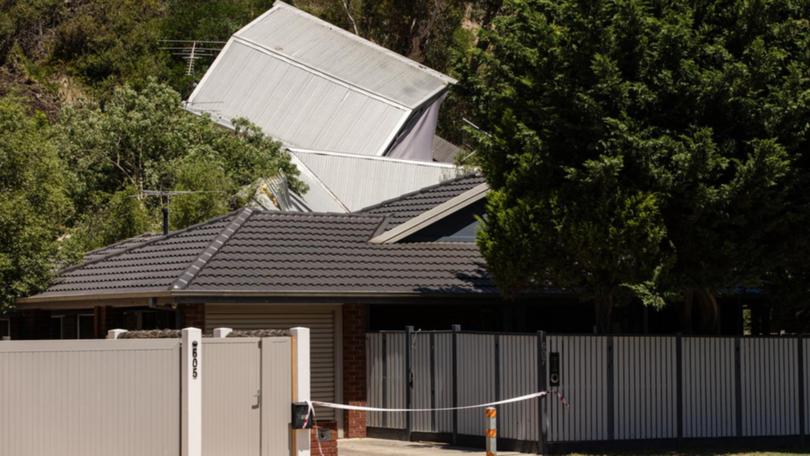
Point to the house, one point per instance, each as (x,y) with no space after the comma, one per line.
(410,260)
(359,120)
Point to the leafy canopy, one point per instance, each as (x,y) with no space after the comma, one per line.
(144,140)
(644,149)
(34,207)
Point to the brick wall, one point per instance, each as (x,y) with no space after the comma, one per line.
(328,447)
(193,315)
(355,323)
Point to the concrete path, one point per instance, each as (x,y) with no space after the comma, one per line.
(379,447)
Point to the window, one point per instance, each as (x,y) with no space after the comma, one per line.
(5,329)
(57,329)
(85,326)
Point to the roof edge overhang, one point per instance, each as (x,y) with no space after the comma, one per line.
(432,216)
(165,297)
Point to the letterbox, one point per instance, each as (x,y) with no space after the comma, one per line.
(300,416)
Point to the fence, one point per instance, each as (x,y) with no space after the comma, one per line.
(620,388)
(163,397)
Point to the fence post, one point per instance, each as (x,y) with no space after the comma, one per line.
(738,386)
(191,392)
(679,382)
(300,392)
(802,411)
(491,430)
(542,385)
(115,333)
(409,341)
(433,426)
(384,343)
(456,329)
(611,389)
(222,333)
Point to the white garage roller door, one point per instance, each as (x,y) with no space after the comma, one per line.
(320,321)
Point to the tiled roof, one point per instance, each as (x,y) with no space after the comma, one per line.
(408,206)
(274,252)
(120,246)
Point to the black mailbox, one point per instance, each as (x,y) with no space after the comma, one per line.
(554,369)
(301,418)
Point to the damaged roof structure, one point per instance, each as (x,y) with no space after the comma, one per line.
(348,110)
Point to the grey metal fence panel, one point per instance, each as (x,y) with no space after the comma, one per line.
(806,368)
(645,388)
(395,378)
(230,403)
(374,377)
(707,376)
(476,370)
(518,371)
(90,397)
(421,361)
(769,383)
(443,344)
(584,375)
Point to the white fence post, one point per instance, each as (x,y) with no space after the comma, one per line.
(301,387)
(115,333)
(191,401)
(491,430)
(222,332)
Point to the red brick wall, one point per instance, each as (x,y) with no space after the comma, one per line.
(193,315)
(355,318)
(328,447)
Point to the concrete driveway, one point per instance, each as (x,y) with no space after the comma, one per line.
(378,447)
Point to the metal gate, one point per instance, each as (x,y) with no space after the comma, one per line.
(154,396)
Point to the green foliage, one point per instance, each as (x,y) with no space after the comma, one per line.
(144,140)
(34,205)
(642,149)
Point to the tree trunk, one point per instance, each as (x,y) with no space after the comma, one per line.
(603,313)
(686,311)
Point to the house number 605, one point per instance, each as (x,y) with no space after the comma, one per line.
(194,361)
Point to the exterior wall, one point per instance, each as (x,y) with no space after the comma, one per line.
(355,322)
(192,315)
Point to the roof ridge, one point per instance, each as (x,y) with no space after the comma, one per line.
(475,173)
(213,247)
(149,242)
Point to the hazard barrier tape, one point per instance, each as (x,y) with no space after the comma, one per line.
(360,408)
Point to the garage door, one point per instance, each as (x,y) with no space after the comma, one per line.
(323,345)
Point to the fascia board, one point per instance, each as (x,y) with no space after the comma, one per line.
(432,216)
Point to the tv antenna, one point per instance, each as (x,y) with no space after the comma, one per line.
(165,198)
(192,50)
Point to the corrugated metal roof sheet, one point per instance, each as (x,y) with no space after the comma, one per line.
(294,105)
(360,181)
(312,85)
(336,52)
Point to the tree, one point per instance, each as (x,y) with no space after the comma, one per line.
(644,149)
(144,140)
(34,206)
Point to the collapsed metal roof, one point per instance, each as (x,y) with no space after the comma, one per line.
(313,85)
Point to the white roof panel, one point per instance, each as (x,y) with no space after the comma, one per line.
(336,52)
(294,105)
(361,181)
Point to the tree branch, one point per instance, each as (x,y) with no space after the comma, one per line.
(349,14)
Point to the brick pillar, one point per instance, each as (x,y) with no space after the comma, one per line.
(193,315)
(355,318)
(328,447)
(100,314)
